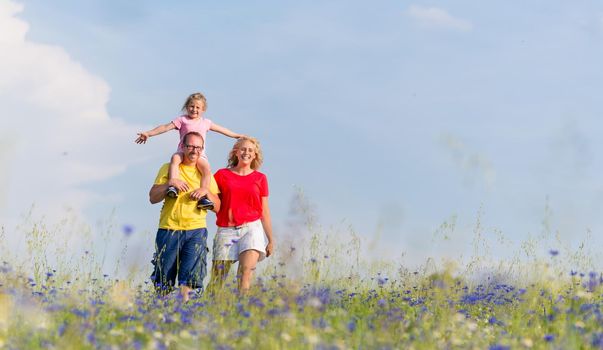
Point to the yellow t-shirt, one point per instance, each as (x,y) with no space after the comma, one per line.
(181,213)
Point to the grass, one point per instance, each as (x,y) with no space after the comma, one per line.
(321,295)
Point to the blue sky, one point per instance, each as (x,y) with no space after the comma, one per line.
(392,117)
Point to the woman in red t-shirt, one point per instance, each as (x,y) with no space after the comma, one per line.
(244,226)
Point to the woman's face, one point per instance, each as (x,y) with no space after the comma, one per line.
(246,152)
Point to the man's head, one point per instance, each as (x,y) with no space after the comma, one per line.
(192,144)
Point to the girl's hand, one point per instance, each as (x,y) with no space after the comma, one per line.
(269,248)
(142,138)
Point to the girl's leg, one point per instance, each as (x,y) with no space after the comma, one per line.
(247,262)
(174,172)
(219,271)
(204,169)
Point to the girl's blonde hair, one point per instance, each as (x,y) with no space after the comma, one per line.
(233,161)
(195,96)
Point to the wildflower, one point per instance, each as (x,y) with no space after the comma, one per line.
(549,338)
(351,326)
(127,230)
(494,320)
(382,280)
(91,338)
(499,347)
(554,252)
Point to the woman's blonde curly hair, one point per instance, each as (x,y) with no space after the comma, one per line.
(233,161)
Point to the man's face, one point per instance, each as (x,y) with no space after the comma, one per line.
(193,148)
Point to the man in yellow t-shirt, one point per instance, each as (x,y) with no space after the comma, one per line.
(181,240)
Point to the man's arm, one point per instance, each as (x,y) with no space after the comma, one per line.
(157,193)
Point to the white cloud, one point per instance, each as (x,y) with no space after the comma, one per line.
(435,17)
(55,130)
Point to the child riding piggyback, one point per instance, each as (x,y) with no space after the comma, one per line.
(194,106)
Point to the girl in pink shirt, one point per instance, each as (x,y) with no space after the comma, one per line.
(195,106)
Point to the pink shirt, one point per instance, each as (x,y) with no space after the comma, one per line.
(184,124)
(241,197)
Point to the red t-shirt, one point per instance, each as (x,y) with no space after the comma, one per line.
(241,197)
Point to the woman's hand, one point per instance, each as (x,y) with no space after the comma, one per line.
(269,248)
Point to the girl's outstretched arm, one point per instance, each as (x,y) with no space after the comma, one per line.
(224,131)
(144,136)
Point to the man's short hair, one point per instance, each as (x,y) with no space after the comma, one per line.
(185,138)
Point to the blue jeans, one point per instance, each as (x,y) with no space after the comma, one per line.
(182,254)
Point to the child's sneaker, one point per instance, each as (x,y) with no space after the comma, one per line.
(205,204)
(172,192)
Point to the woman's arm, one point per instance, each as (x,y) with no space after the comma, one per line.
(224,131)
(267,225)
(216,199)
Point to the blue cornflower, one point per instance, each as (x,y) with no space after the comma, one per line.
(127,229)
(549,338)
(554,252)
(499,347)
(61,330)
(352,326)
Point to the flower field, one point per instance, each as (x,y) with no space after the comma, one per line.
(312,305)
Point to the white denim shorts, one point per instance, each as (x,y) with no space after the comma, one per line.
(229,242)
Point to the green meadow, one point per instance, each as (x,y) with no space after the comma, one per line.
(319,293)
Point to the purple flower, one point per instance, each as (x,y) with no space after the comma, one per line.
(61,329)
(382,280)
(499,347)
(352,326)
(554,252)
(549,338)
(127,229)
